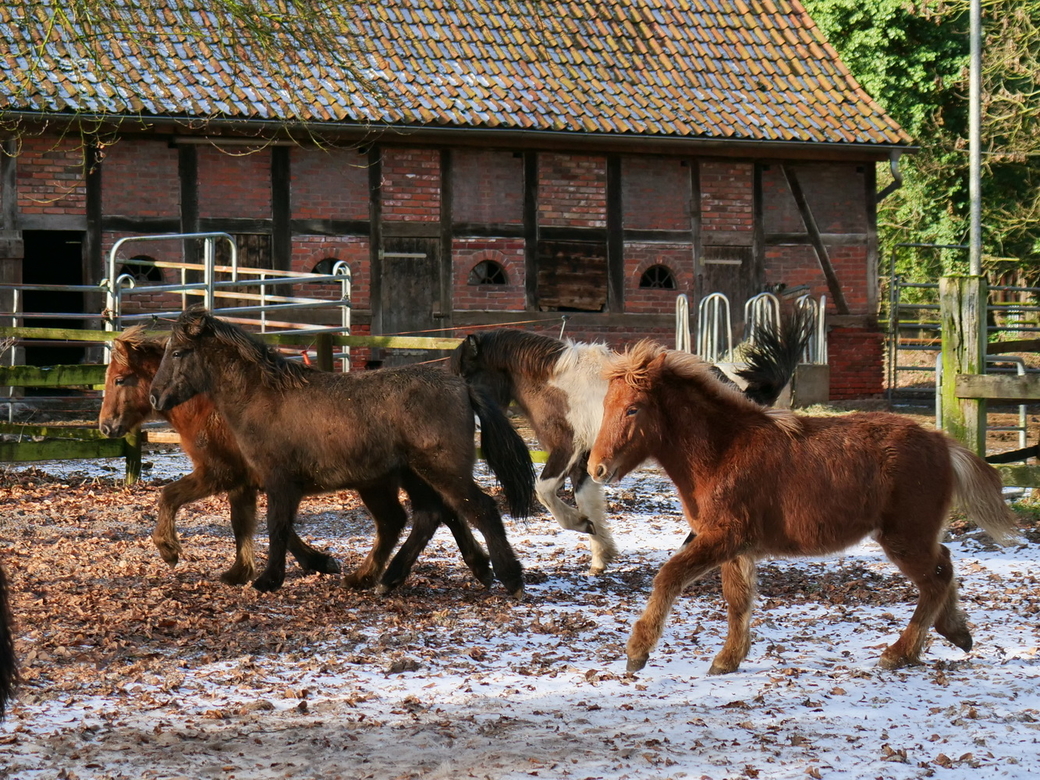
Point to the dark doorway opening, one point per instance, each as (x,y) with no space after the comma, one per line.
(53,257)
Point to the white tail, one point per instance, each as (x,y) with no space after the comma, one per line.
(978,490)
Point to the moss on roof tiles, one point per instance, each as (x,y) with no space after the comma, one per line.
(748,69)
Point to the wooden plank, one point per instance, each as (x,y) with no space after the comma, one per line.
(52,431)
(1020,476)
(57,334)
(52,376)
(1021,345)
(998,387)
(69,449)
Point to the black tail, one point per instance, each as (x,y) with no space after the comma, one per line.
(773,357)
(8,664)
(506,453)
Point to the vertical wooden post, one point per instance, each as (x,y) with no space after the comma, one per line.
(133,456)
(323,344)
(962,303)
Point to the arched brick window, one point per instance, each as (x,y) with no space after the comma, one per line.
(658,277)
(488,272)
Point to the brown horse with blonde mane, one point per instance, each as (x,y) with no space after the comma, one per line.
(756,483)
(219,466)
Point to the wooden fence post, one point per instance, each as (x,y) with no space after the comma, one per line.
(962,303)
(133,456)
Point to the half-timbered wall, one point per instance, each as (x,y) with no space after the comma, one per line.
(498,236)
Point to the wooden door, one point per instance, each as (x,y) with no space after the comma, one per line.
(409,296)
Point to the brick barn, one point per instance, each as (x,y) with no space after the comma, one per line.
(500,165)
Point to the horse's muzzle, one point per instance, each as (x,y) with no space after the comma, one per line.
(601,473)
(111,430)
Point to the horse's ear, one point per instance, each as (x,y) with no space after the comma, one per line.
(472,346)
(656,366)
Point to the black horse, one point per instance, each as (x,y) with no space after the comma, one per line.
(303,431)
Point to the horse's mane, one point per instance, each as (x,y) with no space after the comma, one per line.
(531,353)
(633,367)
(134,338)
(276,371)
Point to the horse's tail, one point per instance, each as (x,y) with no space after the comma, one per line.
(8,664)
(505,452)
(774,355)
(978,490)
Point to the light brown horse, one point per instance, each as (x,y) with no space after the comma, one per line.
(219,466)
(756,483)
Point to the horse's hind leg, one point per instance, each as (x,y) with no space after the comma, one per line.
(588,495)
(951,621)
(243,525)
(930,570)
(390,519)
(428,512)
(738,588)
(189,488)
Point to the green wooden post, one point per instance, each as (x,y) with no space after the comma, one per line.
(323,343)
(962,301)
(133,456)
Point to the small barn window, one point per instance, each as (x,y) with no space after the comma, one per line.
(488,272)
(143,271)
(325,266)
(658,277)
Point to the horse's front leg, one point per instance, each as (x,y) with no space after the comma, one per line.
(243,525)
(691,562)
(283,501)
(588,494)
(189,488)
(549,482)
(738,588)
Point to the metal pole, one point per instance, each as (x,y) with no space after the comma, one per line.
(974,139)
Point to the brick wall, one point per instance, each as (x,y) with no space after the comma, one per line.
(234,184)
(641,256)
(140,179)
(487,187)
(141,298)
(655,193)
(572,191)
(727,199)
(509,253)
(330,184)
(308,251)
(50,176)
(412,185)
(856,358)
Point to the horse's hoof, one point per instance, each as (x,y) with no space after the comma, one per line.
(323,565)
(636,664)
(267,583)
(354,582)
(597,569)
(236,577)
(585,526)
(171,554)
(892,663)
(518,593)
(717,669)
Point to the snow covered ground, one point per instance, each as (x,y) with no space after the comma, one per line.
(445,680)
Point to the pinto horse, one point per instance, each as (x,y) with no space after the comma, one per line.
(8,662)
(559,387)
(302,431)
(757,483)
(219,466)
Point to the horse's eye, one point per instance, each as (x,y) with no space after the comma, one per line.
(121,381)
(631,411)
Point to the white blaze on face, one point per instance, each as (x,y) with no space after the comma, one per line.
(579,374)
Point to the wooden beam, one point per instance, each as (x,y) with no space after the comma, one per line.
(1021,345)
(80,375)
(816,239)
(997,387)
(531,231)
(281,209)
(615,237)
(60,449)
(1020,476)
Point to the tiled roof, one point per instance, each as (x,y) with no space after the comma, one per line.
(755,70)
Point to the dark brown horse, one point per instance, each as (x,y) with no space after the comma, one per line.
(559,386)
(303,431)
(756,483)
(8,662)
(218,466)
